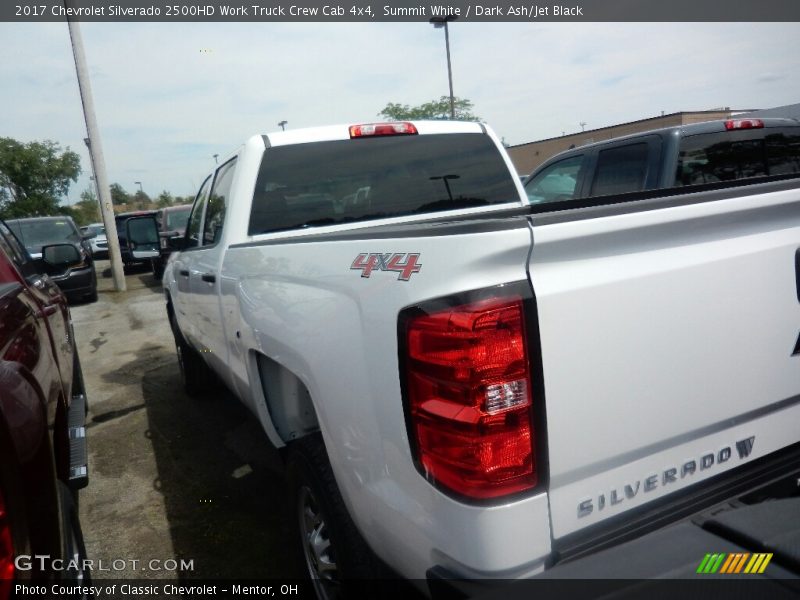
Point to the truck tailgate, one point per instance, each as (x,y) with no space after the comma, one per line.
(669,335)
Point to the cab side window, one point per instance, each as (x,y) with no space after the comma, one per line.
(196,218)
(620,170)
(555,183)
(215,213)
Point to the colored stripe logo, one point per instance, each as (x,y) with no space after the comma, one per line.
(741,562)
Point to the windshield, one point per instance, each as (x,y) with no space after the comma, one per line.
(177,219)
(35,234)
(323,183)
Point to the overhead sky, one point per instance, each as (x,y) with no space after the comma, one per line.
(169,96)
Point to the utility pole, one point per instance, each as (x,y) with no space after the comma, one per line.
(96,155)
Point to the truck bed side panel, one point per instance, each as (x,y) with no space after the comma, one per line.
(667,339)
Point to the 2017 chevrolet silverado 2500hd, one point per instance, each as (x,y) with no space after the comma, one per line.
(676,156)
(43,460)
(466,384)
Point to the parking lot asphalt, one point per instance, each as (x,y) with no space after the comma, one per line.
(170,477)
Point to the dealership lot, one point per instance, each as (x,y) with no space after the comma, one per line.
(170,477)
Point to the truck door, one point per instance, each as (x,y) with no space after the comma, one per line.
(185,311)
(204,271)
(142,235)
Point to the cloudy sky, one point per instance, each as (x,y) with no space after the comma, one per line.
(168,96)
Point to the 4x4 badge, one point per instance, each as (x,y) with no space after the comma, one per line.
(404,264)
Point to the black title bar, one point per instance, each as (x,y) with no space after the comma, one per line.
(243,11)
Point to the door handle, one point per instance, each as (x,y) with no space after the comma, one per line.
(47,310)
(183,273)
(208,277)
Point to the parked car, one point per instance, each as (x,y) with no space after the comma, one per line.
(172,222)
(99,243)
(43,457)
(77,280)
(138,238)
(700,153)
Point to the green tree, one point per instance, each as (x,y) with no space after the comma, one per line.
(119,195)
(164,199)
(34,177)
(86,210)
(435,109)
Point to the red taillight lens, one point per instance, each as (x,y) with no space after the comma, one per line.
(6,552)
(469,397)
(732,124)
(378,129)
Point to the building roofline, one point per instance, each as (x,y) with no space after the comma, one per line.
(683,112)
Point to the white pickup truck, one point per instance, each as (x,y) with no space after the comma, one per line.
(471,386)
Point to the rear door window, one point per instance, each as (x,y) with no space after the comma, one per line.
(196,218)
(620,170)
(727,156)
(343,181)
(215,211)
(555,183)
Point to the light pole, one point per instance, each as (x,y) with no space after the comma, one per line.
(139,183)
(439,22)
(216,162)
(283,125)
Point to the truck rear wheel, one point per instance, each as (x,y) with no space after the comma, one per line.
(197,379)
(333,554)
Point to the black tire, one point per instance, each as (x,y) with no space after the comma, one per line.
(158,269)
(341,563)
(74,547)
(198,382)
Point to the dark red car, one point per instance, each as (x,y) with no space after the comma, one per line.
(43,458)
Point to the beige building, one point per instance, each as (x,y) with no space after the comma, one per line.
(527,157)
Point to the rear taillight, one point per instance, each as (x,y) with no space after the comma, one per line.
(468,393)
(732,124)
(6,552)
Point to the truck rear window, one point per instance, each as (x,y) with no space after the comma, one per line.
(325,183)
(725,156)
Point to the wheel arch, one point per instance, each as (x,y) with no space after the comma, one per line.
(289,408)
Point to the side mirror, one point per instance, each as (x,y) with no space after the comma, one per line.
(57,258)
(176,243)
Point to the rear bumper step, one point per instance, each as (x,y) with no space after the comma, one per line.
(78,451)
